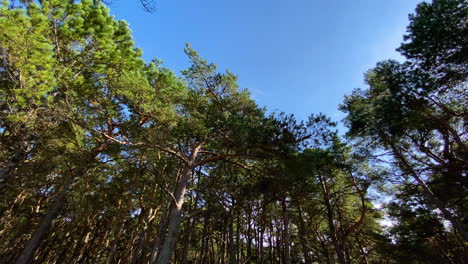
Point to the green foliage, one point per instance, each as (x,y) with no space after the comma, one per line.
(99,149)
(416,111)
(436,40)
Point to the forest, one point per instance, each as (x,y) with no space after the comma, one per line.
(108,158)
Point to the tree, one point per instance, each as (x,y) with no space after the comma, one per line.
(105,158)
(81,95)
(216,123)
(416,110)
(436,41)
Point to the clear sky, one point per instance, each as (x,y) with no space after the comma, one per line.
(296,56)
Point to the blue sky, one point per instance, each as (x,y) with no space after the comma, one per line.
(296,56)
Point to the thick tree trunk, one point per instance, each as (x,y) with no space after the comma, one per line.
(162,227)
(175,218)
(43,230)
(59,203)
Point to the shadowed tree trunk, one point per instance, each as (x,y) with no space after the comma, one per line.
(8,169)
(232,246)
(187,238)
(57,206)
(430,194)
(330,219)
(286,236)
(113,249)
(302,237)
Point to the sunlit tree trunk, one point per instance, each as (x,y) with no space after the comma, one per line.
(43,230)
(57,206)
(160,232)
(175,219)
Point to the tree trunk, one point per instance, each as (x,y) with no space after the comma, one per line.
(110,258)
(175,218)
(232,246)
(43,230)
(363,252)
(140,234)
(59,203)
(430,194)
(330,219)
(286,239)
(249,235)
(302,237)
(204,243)
(270,243)
(8,169)
(188,236)
(260,243)
(161,233)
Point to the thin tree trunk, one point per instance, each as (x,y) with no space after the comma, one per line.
(8,169)
(188,236)
(286,239)
(330,219)
(222,244)
(249,235)
(260,243)
(279,248)
(110,258)
(204,239)
(363,252)
(302,237)
(431,195)
(211,247)
(238,240)
(232,246)
(140,233)
(271,244)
